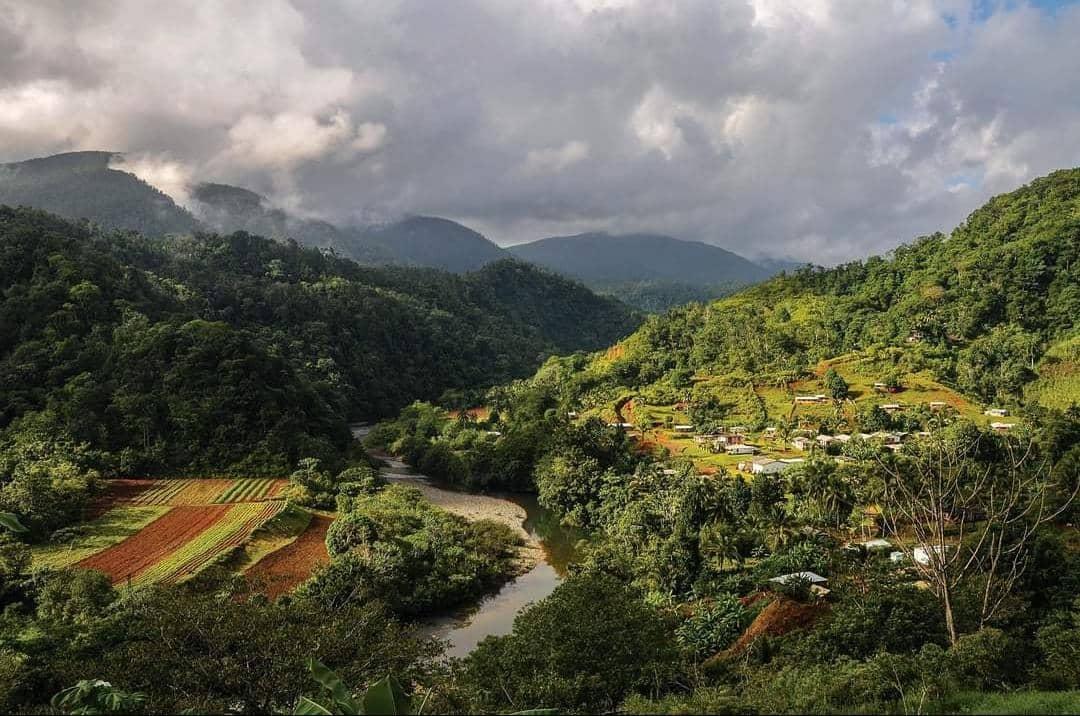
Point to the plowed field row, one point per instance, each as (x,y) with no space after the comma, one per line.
(155,542)
(235,526)
(192,491)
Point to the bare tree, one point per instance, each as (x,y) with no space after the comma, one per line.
(970,503)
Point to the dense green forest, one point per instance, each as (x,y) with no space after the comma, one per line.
(236,354)
(989,312)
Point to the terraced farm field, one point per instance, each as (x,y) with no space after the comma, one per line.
(150,531)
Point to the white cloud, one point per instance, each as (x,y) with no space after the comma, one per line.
(553,160)
(826,129)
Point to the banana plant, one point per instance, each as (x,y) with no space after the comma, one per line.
(93,696)
(10,522)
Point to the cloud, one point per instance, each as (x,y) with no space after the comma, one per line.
(824,130)
(554,159)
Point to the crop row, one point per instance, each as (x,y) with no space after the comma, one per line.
(246,490)
(231,530)
(162,492)
(159,539)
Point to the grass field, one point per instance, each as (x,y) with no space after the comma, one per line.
(116,525)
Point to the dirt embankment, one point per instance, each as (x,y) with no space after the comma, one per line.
(284,569)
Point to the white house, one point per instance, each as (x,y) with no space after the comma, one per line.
(801,443)
(817,582)
(825,440)
(819,398)
(1002,427)
(683,428)
(876,545)
(892,407)
(996,412)
(741,449)
(922,554)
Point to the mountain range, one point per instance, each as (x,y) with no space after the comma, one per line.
(648,271)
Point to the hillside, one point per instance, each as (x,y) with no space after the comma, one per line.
(226,208)
(433,242)
(238,352)
(80,185)
(650,271)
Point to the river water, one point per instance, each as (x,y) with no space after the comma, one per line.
(494,615)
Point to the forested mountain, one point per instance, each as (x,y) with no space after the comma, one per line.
(237,352)
(434,242)
(647,270)
(226,209)
(80,185)
(978,307)
(837,489)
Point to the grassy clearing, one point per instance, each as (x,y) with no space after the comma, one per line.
(113,527)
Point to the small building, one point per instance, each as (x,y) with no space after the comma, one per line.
(842,437)
(879,544)
(825,440)
(801,443)
(892,408)
(819,398)
(816,581)
(738,429)
(938,405)
(741,449)
(922,554)
(996,412)
(766,466)
(882,387)
(769,432)
(1002,427)
(683,428)
(670,471)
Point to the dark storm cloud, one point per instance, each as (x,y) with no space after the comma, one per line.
(821,130)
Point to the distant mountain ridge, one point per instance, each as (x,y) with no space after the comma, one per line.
(80,185)
(650,271)
(432,241)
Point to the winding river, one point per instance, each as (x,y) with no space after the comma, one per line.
(550,550)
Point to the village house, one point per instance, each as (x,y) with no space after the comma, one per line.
(817,582)
(683,428)
(741,449)
(802,443)
(769,432)
(819,398)
(996,412)
(938,405)
(1002,427)
(892,407)
(825,440)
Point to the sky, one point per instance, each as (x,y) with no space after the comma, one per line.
(819,130)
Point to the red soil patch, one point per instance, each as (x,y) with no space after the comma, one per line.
(116,491)
(277,488)
(282,571)
(781,616)
(236,538)
(152,543)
